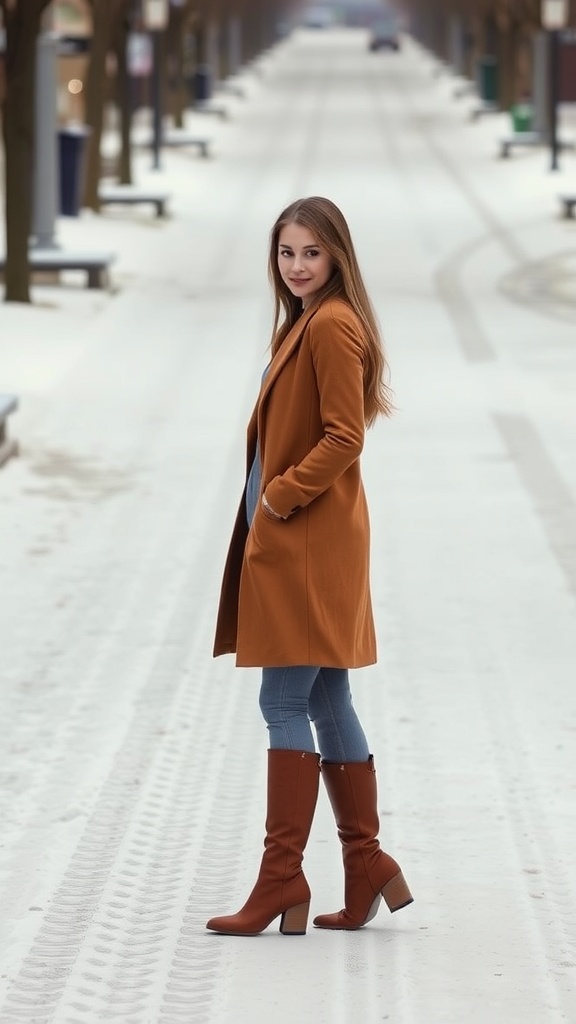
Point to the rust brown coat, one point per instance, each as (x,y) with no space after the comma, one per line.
(296,591)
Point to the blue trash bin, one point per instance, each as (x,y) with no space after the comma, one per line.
(72,152)
(202,83)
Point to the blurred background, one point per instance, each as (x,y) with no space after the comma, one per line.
(74,68)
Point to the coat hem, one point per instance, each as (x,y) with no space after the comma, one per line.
(321,663)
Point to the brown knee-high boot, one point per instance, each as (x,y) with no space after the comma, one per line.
(369,873)
(281,888)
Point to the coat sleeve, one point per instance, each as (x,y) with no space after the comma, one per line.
(337,350)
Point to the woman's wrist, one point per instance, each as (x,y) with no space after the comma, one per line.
(269,510)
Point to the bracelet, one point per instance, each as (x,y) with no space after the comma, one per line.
(269,508)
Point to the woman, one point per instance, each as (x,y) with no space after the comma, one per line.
(295,597)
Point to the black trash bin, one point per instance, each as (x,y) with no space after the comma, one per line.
(202,83)
(487,72)
(72,150)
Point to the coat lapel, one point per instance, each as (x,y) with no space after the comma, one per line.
(288,345)
(280,359)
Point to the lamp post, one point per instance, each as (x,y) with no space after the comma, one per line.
(45,202)
(554,14)
(155,20)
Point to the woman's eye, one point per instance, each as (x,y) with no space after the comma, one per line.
(312,252)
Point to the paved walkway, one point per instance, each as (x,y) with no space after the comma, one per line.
(132,763)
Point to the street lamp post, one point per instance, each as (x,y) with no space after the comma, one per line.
(155,19)
(45,202)
(554,15)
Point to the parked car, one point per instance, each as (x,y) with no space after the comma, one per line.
(385,34)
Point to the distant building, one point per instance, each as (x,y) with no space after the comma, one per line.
(363,13)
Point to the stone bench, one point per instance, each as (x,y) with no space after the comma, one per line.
(131,195)
(8,447)
(529,139)
(486,107)
(210,107)
(464,89)
(568,206)
(180,137)
(52,261)
(510,142)
(232,89)
(96,265)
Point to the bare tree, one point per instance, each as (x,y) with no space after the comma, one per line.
(124,97)
(182,17)
(22,19)
(106,15)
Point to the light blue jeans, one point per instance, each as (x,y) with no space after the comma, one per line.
(293,697)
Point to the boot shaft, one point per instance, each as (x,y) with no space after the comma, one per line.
(293,783)
(353,795)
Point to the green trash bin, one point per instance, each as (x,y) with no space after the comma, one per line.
(488,79)
(522,115)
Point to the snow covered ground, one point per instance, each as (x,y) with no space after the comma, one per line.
(132,764)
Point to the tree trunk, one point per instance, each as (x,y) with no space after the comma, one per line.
(177,40)
(103,17)
(508,61)
(22,29)
(124,100)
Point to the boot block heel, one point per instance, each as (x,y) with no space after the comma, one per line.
(396,893)
(295,919)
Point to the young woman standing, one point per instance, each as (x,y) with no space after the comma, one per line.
(295,597)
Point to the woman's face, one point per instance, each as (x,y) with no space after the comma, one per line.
(305,267)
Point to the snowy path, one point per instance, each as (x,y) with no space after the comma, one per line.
(132,764)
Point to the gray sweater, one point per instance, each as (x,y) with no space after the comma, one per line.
(254,482)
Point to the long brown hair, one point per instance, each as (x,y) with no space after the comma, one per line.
(328,225)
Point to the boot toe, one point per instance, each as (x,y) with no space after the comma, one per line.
(335,922)
(216,924)
(231,926)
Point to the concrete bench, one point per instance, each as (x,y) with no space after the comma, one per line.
(52,261)
(529,139)
(232,89)
(510,142)
(486,107)
(96,264)
(464,89)
(180,137)
(131,195)
(210,107)
(568,206)
(8,403)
